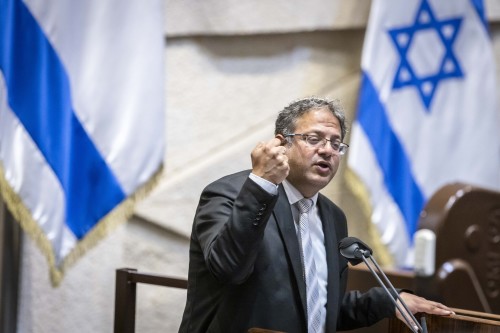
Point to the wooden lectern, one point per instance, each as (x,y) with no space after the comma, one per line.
(463,321)
(466,222)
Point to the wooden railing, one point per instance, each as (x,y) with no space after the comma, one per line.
(125,304)
(125,295)
(464,321)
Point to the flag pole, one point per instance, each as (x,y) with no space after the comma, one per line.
(10,251)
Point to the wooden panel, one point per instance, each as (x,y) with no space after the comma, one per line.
(466,222)
(464,322)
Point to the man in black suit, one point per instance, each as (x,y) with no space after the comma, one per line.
(246,255)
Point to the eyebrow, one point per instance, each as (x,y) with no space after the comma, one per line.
(319,133)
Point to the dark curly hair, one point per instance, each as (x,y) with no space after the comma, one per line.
(287,118)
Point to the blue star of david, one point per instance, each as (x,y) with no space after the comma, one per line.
(449,67)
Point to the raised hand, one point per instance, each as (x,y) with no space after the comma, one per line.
(269,161)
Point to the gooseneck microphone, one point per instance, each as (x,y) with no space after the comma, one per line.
(355,251)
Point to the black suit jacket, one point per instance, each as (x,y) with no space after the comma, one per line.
(245,269)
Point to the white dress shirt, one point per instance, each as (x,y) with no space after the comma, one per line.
(316,232)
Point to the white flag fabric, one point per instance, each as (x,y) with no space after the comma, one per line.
(427,113)
(81,116)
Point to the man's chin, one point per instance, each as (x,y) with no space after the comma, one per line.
(320,181)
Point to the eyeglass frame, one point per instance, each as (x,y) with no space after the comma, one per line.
(341,150)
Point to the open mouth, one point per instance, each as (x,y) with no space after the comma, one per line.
(323,166)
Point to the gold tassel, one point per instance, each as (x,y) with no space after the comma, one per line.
(359,190)
(118,215)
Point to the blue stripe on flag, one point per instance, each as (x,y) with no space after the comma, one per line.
(479,7)
(393,161)
(39,94)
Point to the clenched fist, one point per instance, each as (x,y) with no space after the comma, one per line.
(269,161)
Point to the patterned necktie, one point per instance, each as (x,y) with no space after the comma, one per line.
(312,288)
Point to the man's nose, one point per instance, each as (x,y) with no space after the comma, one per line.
(326,150)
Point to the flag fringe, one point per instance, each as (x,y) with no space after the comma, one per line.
(113,219)
(359,190)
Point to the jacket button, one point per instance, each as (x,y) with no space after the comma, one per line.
(256,221)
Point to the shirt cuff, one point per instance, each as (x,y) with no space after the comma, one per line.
(266,185)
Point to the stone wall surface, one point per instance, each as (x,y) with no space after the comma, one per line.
(226,17)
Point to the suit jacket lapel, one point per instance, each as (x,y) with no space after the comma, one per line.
(332,258)
(284,220)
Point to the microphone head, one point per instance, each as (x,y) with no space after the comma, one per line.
(353,250)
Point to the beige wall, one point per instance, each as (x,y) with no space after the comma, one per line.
(230,69)
(225,17)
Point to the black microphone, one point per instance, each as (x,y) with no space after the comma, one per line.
(355,251)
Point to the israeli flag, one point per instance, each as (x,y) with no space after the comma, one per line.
(81,116)
(427,113)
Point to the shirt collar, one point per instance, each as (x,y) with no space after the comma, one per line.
(294,195)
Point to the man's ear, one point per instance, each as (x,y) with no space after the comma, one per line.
(284,141)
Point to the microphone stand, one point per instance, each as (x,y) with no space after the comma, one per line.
(416,327)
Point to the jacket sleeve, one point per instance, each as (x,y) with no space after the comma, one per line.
(229,225)
(364,309)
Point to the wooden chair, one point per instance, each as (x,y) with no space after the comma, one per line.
(125,295)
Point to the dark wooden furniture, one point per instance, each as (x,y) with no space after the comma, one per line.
(466,222)
(463,321)
(125,295)
(127,279)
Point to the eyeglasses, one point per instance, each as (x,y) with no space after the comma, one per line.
(318,142)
